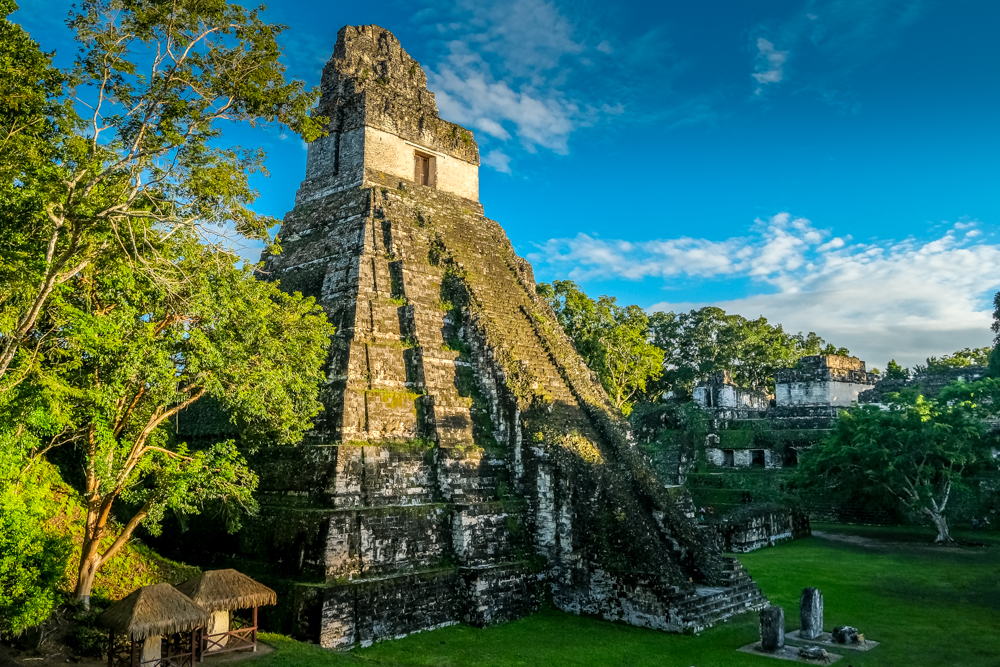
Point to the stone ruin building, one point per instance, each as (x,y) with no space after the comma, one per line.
(738,469)
(740,465)
(467,463)
(806,397)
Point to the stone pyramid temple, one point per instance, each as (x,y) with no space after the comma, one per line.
(468,466)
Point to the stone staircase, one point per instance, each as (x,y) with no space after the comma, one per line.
(706,606)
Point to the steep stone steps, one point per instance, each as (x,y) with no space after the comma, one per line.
(706,606)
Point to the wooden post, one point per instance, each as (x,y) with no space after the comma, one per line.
(255,629)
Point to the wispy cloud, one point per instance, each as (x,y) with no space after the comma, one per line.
(831,40)
(504,70)
(770,67)
(905,299)
(498,160)
(527,74)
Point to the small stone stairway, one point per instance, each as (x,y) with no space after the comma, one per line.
(705,606)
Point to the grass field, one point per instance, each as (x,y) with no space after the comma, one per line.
(928,606)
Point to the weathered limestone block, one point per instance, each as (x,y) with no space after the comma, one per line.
(400,541)
(715,456)
(746,531)
(485,534)
(810,613)
(468,476)
(636,600)
(342,555)
(500,593)
(397,477)
(772,628)
(337,622)
(742,458)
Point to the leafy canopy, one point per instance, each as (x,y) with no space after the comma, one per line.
(613,340)
(978,356)
(896,372)
(33,557)
(916,452)
(115,310)
(126,147)
(704,341)
(129,354)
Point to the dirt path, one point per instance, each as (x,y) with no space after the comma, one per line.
(884,545)
(59,655)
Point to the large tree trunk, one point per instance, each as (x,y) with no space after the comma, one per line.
(941,523)
(90,552)
(85,581)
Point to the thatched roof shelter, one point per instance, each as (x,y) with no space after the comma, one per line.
(226,590)
(154,610)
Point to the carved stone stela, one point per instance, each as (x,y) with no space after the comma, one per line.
(466,458)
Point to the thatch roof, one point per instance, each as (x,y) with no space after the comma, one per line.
(154,610)
(218,590)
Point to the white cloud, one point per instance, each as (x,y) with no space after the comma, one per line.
(605,47)
(498,160)
(770,64)
(504,71)
(905,299)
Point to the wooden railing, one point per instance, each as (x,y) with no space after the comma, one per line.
(234,640)
(180,651)
(184,660)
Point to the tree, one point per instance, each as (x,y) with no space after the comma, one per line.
(613,340)
(978,356)
(996,318)
(896,372)
(994,360)
(704,341)
(629,359)
(32,557)
(130,354)
(134,152)
(578,315)
(917,451)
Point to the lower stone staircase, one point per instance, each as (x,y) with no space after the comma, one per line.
(705,606)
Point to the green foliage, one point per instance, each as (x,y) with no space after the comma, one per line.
(915,452)
(33,556)
(701,342)
(86,637)
(896,372)
(104,160)
(995,326)
(978,356)
(113,316)
(127,353)
(613,340)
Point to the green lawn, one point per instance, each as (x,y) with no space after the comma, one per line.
(928,607)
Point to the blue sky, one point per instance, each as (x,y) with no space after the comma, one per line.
(833,165)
